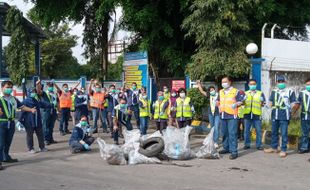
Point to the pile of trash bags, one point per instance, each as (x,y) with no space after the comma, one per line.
(173,143)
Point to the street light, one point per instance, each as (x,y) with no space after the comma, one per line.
(252,49)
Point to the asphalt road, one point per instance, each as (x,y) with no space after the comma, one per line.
(58,169)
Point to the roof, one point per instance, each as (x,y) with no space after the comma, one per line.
(35,31)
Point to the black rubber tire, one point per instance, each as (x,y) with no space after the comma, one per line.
(152,147)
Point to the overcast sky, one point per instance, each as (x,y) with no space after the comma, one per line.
(75,30)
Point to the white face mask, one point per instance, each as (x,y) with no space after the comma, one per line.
(182,95)
(174,95)
(145,97)
(225,85)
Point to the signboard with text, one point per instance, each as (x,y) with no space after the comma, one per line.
(177,84)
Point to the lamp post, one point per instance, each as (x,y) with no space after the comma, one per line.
(252,49)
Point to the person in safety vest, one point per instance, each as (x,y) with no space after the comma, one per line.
(304,101)
(65,105)
(240,132)
(184,108)
(228,102)
(73,106)
(97,101)
(120,117)
(81,138)
(213,111)
(282,101)
(33,121)
(49,115)
(253,103)
(172,107)
(166,92)
(160,114)
(8,106)
(81,105)
(145,113)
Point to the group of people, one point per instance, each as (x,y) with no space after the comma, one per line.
(229,107)
(115,108)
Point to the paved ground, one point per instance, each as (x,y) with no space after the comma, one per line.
(58,169)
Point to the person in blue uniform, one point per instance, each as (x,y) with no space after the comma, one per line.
(81,106)
(81,138)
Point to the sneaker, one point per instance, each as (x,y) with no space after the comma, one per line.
(11,160)
(260,148)
(44,150)
(32,151)
(282,154)
(271,150)
(68,132)
(53,142)
(246,147)
(216,146)
(47,143)
(74,150)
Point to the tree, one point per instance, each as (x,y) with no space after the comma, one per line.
(223,28)
(156,28)
(96,15)
(17,51)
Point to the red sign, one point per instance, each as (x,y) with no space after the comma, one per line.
(177,84)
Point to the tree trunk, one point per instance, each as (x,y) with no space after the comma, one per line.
(104,47)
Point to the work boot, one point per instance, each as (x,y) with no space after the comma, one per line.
(233,156)
(271,150)
(282,154)
(303,151)
(48,143)
(74,150)
(62,133)
(43,150)
(68,132)
(1,167)
(246,147)
(10,160)
(260,148)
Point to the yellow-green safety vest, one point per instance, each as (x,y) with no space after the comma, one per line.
(167,95)
(253,103)
(306,105)
(6,111)
(184,108)
(72,105)
(241,112)
(146,111)
(277,104)
(159,108)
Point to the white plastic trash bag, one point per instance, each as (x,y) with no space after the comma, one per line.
(113,154)
(208,150)
(130,138)
(135,157)
(19,126)
(177,144)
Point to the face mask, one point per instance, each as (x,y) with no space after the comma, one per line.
(225,85)
(145,97)
(252,87)
(281,85)
(33,95)
(98,89)
(116,91)
(75,92)
(83,91)
(50,89)
(80,96)
(212,93)
(134,87)
(8,91)
(161,98)
(113,91)
(83,123)
(123,106)
(174,95)
(182,95)
(308,87)
(165,90)
(66,89)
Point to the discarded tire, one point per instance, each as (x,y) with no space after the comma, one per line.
(152,147)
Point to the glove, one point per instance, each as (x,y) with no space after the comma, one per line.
(86,146)
(234,106)
(88,130)
(53,81)
(161,113)
(262,99)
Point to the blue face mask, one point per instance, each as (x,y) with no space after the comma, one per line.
(252,87)
(83,123)
(123,106)
(212,93)
(161,98)
(33,95)
(308,87)
(281,86)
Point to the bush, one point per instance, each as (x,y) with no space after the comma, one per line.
(199,101)
(294,127)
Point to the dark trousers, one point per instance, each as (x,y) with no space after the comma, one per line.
(161,125)
(76,145)
(136,113)
(110,120)
(64,120)
(39,132)
(6,137)
(182,124)
(240,129)
(48,123)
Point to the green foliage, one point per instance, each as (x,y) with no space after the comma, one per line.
(199,101)
(294,127)
(17,52)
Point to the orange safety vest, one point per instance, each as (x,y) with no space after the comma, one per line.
(227,100)
(97,100)
(65,100)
